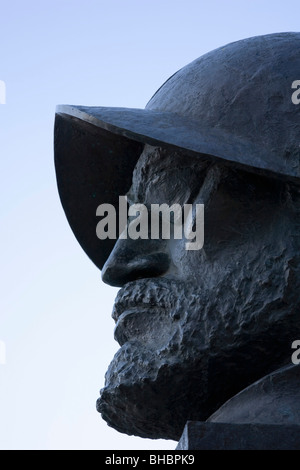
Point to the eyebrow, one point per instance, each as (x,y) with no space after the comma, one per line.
(138,192)
(199,165)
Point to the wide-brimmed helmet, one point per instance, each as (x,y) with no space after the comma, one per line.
(237,104)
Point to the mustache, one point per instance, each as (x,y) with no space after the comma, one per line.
(161,293)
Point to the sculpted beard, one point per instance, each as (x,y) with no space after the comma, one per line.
(176,335)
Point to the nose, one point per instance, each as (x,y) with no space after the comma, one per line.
(135,259)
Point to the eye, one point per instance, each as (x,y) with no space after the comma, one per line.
(176,186)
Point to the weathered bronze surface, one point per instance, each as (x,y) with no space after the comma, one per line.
(195,328)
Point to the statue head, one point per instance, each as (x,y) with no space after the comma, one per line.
(194,326)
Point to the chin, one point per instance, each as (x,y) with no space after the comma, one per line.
(151,395)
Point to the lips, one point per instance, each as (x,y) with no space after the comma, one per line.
(132,325)
(138,295)
(142,312)
(137,321)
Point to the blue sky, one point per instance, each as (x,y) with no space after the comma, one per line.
(55,311)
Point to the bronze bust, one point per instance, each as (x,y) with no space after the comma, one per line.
(204,335)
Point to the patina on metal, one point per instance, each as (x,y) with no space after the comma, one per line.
(197,329)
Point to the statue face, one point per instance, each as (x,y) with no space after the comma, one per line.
(196,327)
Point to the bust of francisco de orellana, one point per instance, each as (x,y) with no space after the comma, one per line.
(199,327)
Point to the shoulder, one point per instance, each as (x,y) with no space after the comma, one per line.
(274,399)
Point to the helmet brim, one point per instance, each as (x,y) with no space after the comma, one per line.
(96,149)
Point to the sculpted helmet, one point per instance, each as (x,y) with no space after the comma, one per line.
(236,104)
